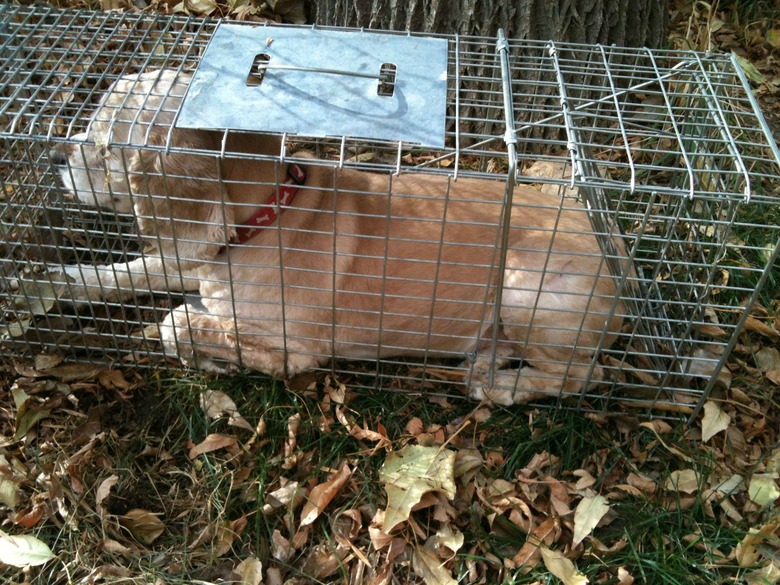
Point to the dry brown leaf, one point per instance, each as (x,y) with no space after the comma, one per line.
(115,547)
(468,462)
(529,554)
(323,560)
(291,444)
(212,442)
(747,552)
(430,568)
(448,537)
(365,434)
(103,491)
(249,572)
(559,496)
(773,37)
(757,326)
(624,577)
(585,480)
(322,494)
(762,489)
(290,495)
(144,525)
(281,549)
(379,538)
(589,512)
(410,473)
(225,535)
(562,567)
(218,404)
(683,480)
(415,426)
(767,359)
(23,551)
(114,380)
(767,575)
(714,420)
(711,330)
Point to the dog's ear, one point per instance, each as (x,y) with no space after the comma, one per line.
(181,204)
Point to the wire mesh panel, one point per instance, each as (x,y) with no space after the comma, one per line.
(591,233)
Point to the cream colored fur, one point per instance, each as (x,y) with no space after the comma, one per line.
(405,283)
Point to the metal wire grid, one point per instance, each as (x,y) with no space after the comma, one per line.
(662,146)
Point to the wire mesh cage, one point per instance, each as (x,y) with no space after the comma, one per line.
(517,220)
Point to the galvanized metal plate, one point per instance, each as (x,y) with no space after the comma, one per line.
(316,103)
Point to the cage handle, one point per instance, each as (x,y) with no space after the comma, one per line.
(386,76)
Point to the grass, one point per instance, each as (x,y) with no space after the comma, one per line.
(216,511)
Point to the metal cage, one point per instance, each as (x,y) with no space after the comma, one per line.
(665,153)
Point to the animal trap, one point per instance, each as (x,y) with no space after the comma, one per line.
(572,225)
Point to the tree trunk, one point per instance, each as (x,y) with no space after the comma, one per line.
(632,23)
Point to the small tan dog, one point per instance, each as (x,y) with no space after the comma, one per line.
(359,265)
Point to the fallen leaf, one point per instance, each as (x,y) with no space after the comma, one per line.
(103,491)
(145,526)
(562,568)
(752,73)
(773,37)
(758,326)
(281,549)
(8,491)
(747,551)
(27,415)
(624,577)
(429,568)
(225,535)
(289,495)
(684,480)
(249,572)
(197,7)
(412,472)
(45,361)
(211,443)
(217,404)
(762,489)
(322,494)
(23,551)
(113,546)
(767,359)
(714,420)
(528,556)
(467,463)
(768,575)
(711,330)
(446,536)
(589,512)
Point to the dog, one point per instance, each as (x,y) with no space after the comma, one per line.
(347,264)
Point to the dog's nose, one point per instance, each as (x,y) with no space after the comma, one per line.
(57,157)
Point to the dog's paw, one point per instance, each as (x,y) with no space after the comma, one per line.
(480,390)
(69,286)
(40,291)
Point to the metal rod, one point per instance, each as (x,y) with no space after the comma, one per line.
(510,138)
(266,66)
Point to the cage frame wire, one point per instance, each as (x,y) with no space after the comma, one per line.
(475,97)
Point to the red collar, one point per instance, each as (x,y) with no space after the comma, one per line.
(269,212)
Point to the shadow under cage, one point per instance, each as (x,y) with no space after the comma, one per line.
(512,220)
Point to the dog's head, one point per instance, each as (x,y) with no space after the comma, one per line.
(132,159)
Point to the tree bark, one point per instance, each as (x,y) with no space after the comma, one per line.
(632,23)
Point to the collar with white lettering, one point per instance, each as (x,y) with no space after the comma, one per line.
(268,213)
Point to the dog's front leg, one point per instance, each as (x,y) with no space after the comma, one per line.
(81,283)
